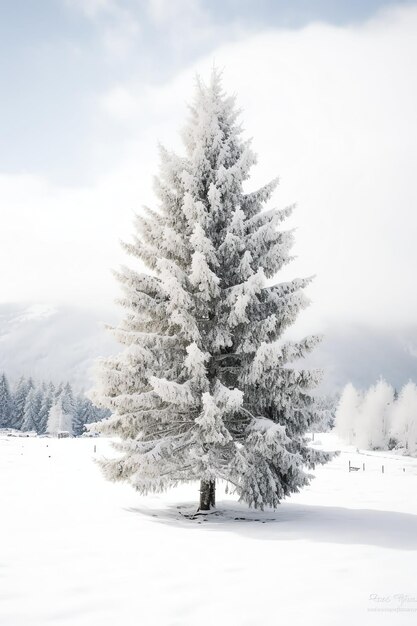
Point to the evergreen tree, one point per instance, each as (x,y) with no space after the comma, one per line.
(348,414)
(97,414)
(404,418)
(375,420)
(68,405)
(326,409)
(46,405)
(6,404)
(58,391)
(85,413)
(68,401)
(32,409)
(79,421)
(204,388)
(58,419)
(19,401)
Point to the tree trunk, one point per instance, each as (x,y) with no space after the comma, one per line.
(207,495)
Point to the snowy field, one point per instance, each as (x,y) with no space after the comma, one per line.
(80,551)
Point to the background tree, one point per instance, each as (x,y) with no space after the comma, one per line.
(68,401)
(79,417)
(6,405)
(326,407)
(21,413)
(204,388)
(379,418)
(404,418)
(46,405)
(348,414)
(32,409)
(19,401)
(59,419)
(86,413)
(375,422)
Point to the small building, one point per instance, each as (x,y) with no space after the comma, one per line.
(63,434)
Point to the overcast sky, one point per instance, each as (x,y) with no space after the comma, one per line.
(329,94)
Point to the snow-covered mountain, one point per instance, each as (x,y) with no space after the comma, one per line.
(362,354)
(62,343)
(59,343)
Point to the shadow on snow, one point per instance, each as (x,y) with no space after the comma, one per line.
(291,522)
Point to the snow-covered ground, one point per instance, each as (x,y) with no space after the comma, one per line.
(78,550)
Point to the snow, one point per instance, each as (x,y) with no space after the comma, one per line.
(79,550)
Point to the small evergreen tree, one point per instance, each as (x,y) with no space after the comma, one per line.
(19,401)
(404,418)
(348,414)
(58,391)
(205,389)
(32,409)
(58,419)
(326,408)
(376,416)
(6,405)
(80,416)
(68,402)
(85,413)
(46,405)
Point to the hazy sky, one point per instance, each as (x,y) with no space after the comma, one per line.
(329,93)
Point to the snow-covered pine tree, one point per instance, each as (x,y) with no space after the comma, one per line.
(375,420)
(326,408)
(6,404)
(58,390)
(58,419)
(19,401)
(47,402)
(348,414)
(204,388)
(78,419)
(404,418)
(86,413)
(68,402)
(32,408)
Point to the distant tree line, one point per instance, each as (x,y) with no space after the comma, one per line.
(379,418)
(45,408)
